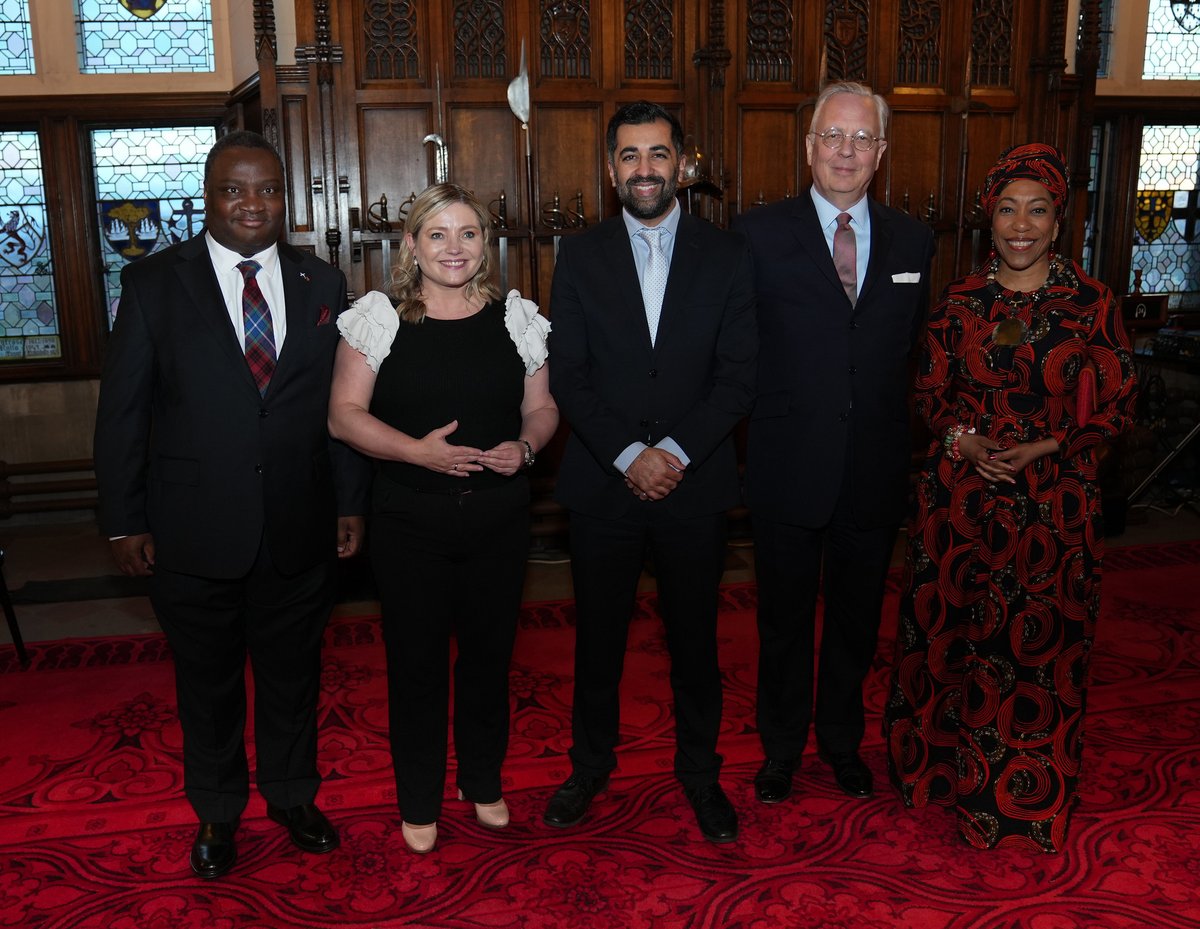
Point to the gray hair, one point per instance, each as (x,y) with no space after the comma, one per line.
(882,110)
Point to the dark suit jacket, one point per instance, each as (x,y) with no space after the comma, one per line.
(833,380)
(186,448)
(614,388)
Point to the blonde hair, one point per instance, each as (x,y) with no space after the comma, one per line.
(406,274)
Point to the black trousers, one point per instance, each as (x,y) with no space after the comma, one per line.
(448,564)
(850,565)
(212,625)
(607,557)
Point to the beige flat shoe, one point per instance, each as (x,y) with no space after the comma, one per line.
(419,839)
(492,815)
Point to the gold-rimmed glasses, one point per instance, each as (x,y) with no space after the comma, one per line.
(833,137)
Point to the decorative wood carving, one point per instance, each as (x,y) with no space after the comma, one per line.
(769,27)
(390,40)
(264,30)
(649,39)
(566,37)
(479,39)
(847,24)
(991,43)
(920,55)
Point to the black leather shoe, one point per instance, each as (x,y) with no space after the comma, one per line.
(850,773)
(714,813)
(213,850)
(310,831)
(773,782)
(570,802)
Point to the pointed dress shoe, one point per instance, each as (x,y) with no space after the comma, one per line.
(570,802)
(773,782)
(213,850)
(307,826)
(851,774)
(714,813)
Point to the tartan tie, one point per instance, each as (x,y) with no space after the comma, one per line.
(845,256)
(654,278)
(260,334)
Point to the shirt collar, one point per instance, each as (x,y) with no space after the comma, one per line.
(670,223)
(226,259)
(827,213)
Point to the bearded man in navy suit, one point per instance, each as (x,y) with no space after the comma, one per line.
(218,479)
(843,291)
(654,346)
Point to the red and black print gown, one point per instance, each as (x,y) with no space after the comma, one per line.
(1002,581)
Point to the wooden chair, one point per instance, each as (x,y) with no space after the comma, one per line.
(11,616)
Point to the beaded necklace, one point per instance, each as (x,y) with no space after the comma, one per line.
(1012,331)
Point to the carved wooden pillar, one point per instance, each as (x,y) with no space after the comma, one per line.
(1087,61)
(711,62)
(267,54)
(328,184)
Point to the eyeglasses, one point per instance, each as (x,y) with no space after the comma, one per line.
(833,137)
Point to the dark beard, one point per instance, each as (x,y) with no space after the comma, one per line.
(647,209)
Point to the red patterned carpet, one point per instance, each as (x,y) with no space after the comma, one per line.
(93,832)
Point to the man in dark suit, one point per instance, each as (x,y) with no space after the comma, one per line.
(843,289)
(654,346)
(218,479)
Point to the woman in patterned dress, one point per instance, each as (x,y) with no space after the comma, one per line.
(1002,574)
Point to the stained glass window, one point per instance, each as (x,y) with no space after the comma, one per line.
(1172,41)
(28,318)
(1166,248)
(1106,34)
(149,193)
(144,36)
(1088,256)
(16,43)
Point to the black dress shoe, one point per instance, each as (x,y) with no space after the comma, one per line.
(714,812)
(773,782)
(310,831)
(850,773)
(213,851)
(570,802)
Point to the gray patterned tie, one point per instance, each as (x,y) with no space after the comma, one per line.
(654,278)
(845,256)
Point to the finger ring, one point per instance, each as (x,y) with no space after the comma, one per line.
(456,467)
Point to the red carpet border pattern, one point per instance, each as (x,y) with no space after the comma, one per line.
(94,832)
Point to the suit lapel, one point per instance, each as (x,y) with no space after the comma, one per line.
(618,254)
(811,238)
(297,297)
(199,284)
(684,258)
(881,244)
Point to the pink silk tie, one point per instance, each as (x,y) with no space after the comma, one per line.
(845,257)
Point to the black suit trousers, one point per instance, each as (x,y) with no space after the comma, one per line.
(607,557)
(212,625)
(448,564)
(849,564)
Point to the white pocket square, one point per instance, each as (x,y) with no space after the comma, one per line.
(907,277)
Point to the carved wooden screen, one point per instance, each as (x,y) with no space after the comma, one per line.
(390,95)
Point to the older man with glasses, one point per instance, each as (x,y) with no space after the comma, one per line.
(843,289)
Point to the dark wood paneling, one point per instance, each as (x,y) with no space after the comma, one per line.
(293,142)
(770,153)
(395,162)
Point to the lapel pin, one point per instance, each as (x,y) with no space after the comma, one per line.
(304,276)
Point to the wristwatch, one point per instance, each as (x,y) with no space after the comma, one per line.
(530,457)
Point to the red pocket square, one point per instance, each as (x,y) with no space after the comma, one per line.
(323,315)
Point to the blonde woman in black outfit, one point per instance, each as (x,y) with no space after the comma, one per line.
(447,389)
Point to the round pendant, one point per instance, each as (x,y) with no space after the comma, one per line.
(1009,332)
